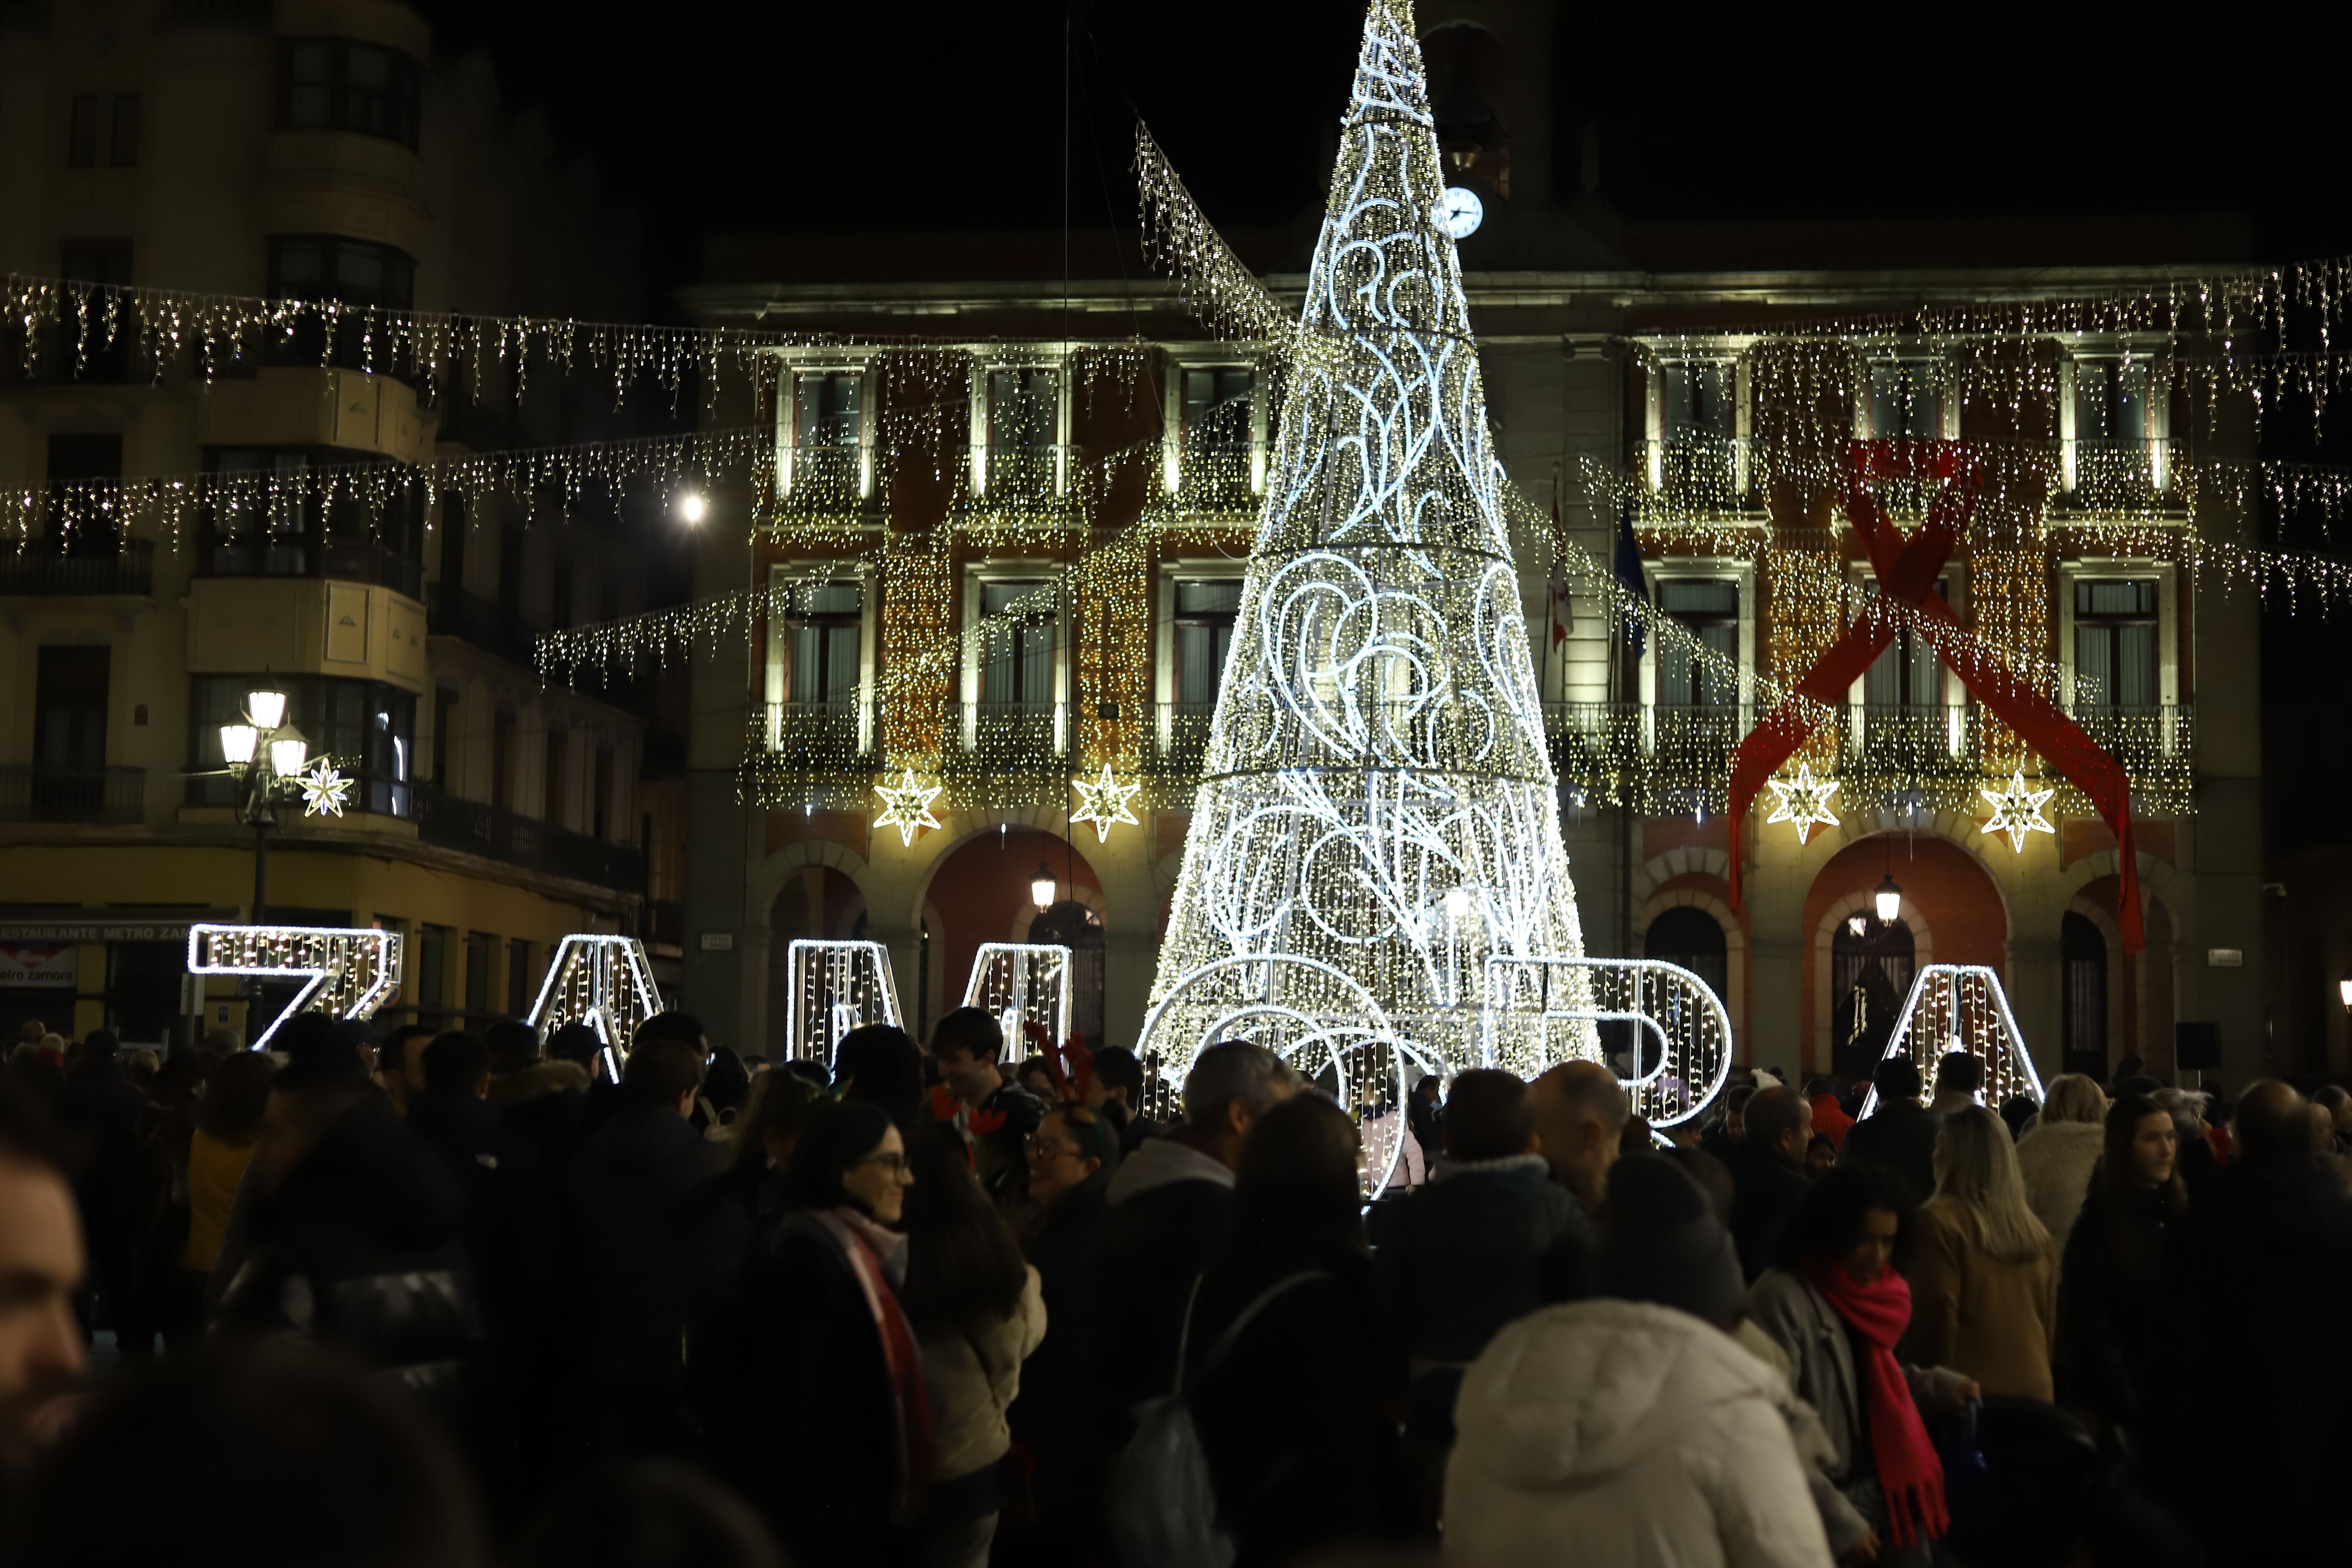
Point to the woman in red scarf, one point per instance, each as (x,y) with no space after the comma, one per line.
(1835,1304)
(842,1424)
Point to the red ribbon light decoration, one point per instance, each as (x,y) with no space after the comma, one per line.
(1907,572)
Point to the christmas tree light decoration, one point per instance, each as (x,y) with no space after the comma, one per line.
(603,982)
(1378,815)
(1103,801)
(2017,811)
(1962,1008)
(833,987)
(907,806)
(322,791)
(349,971)
(1803,801)
(1021,982)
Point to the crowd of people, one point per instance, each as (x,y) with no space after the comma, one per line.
(435,1298)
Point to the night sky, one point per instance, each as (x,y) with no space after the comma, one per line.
(717,116)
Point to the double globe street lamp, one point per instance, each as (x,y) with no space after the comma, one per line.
(267,753)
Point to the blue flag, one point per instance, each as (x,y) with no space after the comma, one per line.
(1627,569)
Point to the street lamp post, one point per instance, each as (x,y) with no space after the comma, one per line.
(263,751)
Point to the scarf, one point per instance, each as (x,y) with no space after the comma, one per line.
(1910,1473)
(902,1359)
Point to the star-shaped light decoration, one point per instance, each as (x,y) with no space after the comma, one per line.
(907,806)
(322,791)
(1103,801)
(2017,810)
(1804,802)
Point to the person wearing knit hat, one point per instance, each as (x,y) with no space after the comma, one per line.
(1664,1244)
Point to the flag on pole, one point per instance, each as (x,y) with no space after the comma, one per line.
(1563,606)
(1627,569)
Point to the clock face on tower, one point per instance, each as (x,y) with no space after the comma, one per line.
(1459,212)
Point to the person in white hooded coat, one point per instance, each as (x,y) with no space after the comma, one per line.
(1613,1434)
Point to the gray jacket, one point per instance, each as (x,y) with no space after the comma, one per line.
(1799,1320)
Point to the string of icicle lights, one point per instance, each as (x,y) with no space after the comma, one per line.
(55,327)
(2230,331)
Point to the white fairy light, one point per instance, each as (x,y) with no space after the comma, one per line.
(323,789)
(907,806)
(1377,815)
(832,988)
(1802,801)
(348,971)
(1019,981)
(1103,801)
(2017,811)
(1962,1007)
(601,981)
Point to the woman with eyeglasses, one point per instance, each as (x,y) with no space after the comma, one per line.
(977,1313)
(1071,1157)
(842,1456)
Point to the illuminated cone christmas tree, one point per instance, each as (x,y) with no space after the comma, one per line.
(1378,819)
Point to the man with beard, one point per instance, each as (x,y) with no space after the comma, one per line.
(41,1263)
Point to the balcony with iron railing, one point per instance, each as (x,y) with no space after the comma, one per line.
(1700,471)
(103,797)
(1008,473)
(821,737)
(38,571)
(824,475)
(475,827)
(2117,473)
(1211,472)
(1663,759)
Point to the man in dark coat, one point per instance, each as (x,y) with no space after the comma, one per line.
(1767,1173)
(356,1234)
(651,1241)
(1170,1205)
(118,1187)
(1048,1418)
(1490,1238)
(2261,1280)
(509,1234)
(1899,1133)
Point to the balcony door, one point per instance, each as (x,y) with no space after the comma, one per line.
(69,783)
(69,710)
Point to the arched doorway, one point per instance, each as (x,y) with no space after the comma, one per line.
(1871,962)
(2083,1019)
(982,892)
(1691,938)
(1080,929)
(819,904)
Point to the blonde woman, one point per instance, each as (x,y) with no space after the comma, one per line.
(2057,1157)
(1984,1275)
